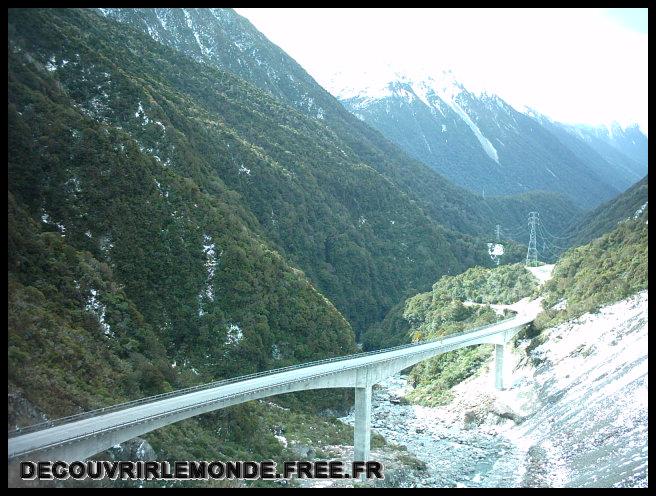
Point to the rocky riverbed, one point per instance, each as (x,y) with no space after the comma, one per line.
(576,415)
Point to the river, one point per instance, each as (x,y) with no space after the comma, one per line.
(576,415)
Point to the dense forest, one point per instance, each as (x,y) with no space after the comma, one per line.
(172,221)
(441,312)
(125,277)
(359,238)
(601,272)
(606,217)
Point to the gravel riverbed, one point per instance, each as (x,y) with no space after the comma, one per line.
(576,415)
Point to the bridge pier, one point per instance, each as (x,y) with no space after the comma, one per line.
(362,424)
(85,437)
(501,357)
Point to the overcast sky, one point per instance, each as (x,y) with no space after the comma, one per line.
(574,65)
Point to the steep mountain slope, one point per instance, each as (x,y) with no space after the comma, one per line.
(609,268)
(631,204)
(441,311)
(478,141)
(588,426)
(359,238)
(75,339)
(609,162)
(102,229)
(222,38)
(630,142)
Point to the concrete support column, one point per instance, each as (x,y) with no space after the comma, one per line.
(500,358)
(362,427)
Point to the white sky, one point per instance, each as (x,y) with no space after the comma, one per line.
(573,65)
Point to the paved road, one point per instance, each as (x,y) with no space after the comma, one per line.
(114,420)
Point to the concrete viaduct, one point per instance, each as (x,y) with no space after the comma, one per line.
(80,436)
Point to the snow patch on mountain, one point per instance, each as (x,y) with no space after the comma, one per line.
(97,308)
(487,145)
(437,94)
(639,212)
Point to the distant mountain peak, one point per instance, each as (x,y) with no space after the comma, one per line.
(381,83)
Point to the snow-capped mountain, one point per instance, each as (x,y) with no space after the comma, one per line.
(439,96)
(607,150)
(480,142)
(616,144)
(223,39)
(630,140)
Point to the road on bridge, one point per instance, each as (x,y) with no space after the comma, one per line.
(23,444)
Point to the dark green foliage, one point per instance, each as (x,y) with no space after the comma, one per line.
(59,355)
(505,284)
(604,271)
(435,377)
(441,312)
(355,233)
(128,277)
(606,217)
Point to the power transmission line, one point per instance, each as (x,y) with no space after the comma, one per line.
(541,229)
(515,233)
(558,237)
(549,250)
(532,252)
(536,227)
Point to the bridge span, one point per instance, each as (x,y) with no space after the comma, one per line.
(80,436)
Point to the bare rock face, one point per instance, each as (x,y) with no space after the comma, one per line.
(591,422)
(503,411)
(302,451)
(21,412)
(136,449)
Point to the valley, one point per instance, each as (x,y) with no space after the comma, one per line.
(534,434)
(187,205)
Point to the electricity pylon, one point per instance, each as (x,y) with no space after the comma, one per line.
(532,252)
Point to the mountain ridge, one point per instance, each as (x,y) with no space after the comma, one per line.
(482,143)
(443,201)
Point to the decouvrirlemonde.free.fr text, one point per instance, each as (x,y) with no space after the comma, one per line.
(198,470)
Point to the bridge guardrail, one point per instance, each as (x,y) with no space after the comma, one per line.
(129,404)
(261,388)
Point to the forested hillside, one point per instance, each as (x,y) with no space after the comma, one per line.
(358,237)
(603,271)
(441,312)
(226,40)
(128,277)
(632,203)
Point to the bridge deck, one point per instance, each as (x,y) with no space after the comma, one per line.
(243,389)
